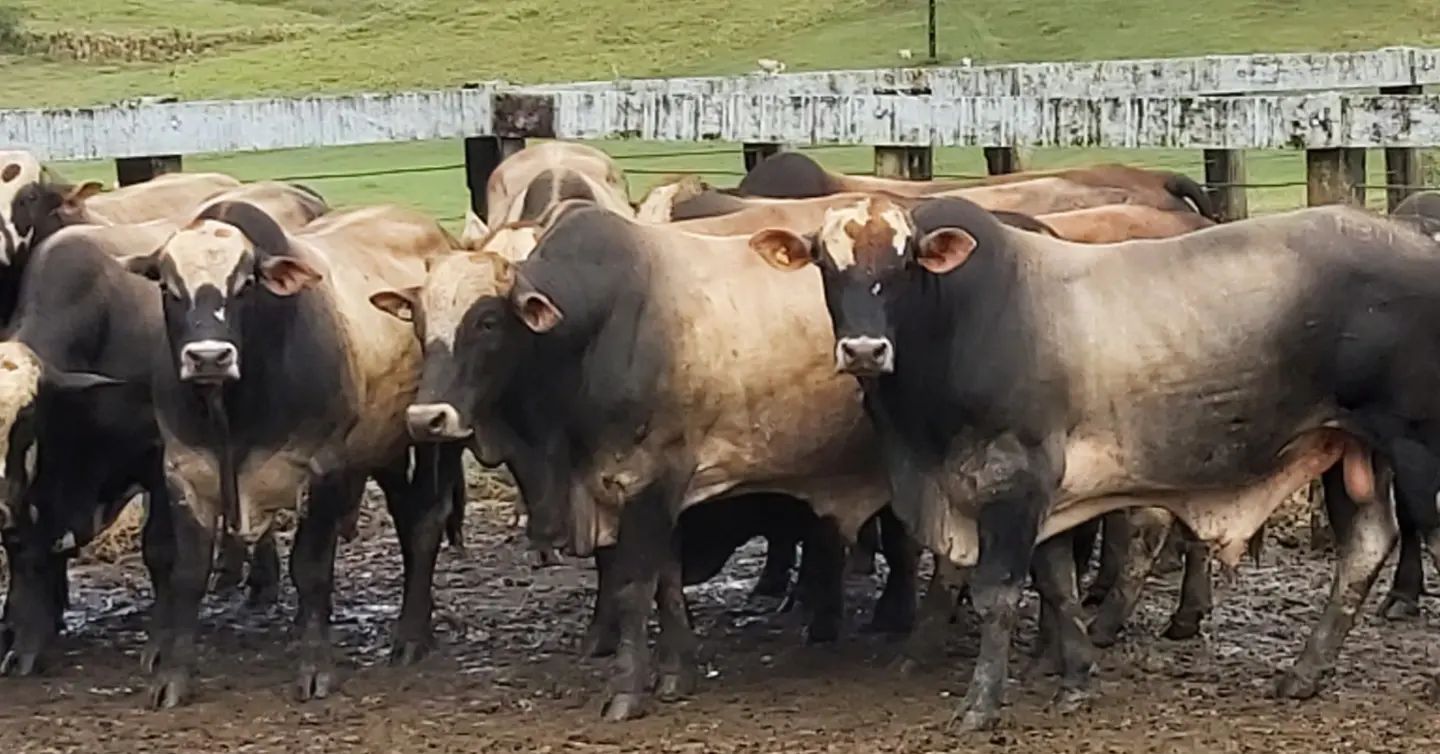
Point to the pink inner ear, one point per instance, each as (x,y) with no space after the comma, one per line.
(538,312)
(946,249)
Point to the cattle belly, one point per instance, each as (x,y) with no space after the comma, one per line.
(1225,518)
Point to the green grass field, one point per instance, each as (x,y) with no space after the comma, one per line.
(349,45)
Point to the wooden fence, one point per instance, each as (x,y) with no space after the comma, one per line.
(1332,105)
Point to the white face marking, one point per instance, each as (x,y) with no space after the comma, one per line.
(841,246)
(875,289)
(207,253)
(454,284)
(220,314)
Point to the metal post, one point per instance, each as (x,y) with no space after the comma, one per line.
(482,155)
(934,55)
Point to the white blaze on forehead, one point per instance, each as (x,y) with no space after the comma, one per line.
(452,286)
(835,231)
(207,252)
(20,371)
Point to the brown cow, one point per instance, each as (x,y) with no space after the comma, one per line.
(525,184)
(1113,223)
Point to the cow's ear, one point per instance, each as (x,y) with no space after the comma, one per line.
(945,249)
(783,249)
(84,191)
(398,304)
(474,232)
(534,308)
(287,276)
(145,265)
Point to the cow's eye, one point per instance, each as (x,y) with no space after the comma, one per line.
(487,323)
(167,289)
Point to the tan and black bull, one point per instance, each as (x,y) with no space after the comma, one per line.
(1022,385)
(287,386)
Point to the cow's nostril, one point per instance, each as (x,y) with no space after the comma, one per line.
(847,348)
(437,421)
(880,349)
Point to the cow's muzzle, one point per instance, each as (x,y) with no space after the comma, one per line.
(864,356)
(209,362)
(435,422)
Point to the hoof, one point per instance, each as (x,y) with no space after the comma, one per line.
(150,657)
(974,721)
(1070,700)
(170,689)
(262,597)
(674,686)
(407,653)
(1104,632)
(905,665)
(1397,607)
(20,663)
(598,643)
(314,683)
(623,707)
(224,581)
(1181,629)
(889,619)
(823,631)
(1297,685)
(1094,596)
(543,558)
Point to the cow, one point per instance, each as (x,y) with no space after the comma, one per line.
(280,379)
(528,182)
(1113,223)
(1040,195)
(619,397)
(18,169)
(77,427)
(1020,388)
(793,175)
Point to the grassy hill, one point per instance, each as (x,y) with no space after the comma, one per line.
(246,47)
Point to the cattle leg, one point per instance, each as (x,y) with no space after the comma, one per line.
(895,611)
(174,658)
(603,635)
(861,561)
(34,606)
(1432,540)
(1117,533)
(1195,600)
(1403,601)
(1083,538)
(1364,533)
(1007,527)
(774,578)
(822,581)
(420,509)
(644,541)
(263,583)
(229,570)
(1055,580)
(677,646)
(312,569)
(927,642)
(157,546)
(1147,529)
(455,520)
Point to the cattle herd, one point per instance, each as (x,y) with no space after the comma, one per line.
(997,372)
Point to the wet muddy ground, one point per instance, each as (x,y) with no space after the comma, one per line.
(506,677)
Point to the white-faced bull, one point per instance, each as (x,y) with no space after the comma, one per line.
(1025,386)
(283,380)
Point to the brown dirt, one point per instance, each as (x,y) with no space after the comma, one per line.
(507,679)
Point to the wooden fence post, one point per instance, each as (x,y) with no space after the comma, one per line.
(1402,164)
(1224,180)
(482,155)
(1002,160)
(758,151)
(1334,176)
(132,170)
(910,163)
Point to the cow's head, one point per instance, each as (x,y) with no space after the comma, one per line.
(18,169)
(24,376)
(868,254)
(220,268)
(41,209)
(474,318)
